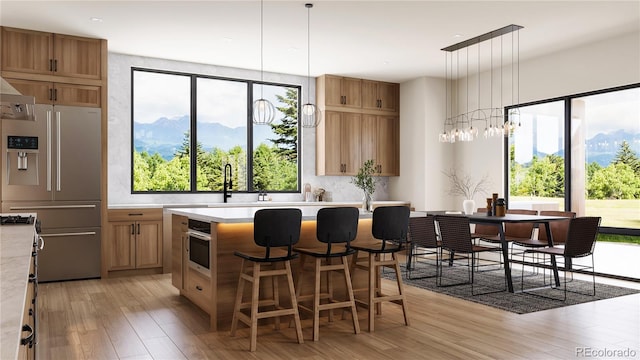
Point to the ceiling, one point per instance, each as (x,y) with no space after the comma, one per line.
(380,40)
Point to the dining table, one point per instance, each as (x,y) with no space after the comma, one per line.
(499,222)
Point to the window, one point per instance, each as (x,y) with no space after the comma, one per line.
(186,127)
(592,140)
(536,154)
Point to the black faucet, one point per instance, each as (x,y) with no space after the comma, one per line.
(227,184)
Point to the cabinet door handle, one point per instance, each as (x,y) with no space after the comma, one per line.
(138,229)
(55,65)
(28,340)
(50,64)
(133,229)
(55,94)
(198,287)
(51,94)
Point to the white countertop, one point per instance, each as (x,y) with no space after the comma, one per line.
(16,242)
(246,214)
(257,204)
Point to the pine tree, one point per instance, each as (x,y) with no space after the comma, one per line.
(287,131)
(627,156)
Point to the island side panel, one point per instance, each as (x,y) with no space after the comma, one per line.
(230,237)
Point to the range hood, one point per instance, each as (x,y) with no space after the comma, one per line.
(13,105)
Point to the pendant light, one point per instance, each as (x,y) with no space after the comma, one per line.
(263,109)
(310,112)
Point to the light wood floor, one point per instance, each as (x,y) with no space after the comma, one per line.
(145,318)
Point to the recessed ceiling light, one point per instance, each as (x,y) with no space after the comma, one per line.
(457,35)
(95,19)
(227,39)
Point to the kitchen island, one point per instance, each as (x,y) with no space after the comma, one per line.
(213,290)
(16,246)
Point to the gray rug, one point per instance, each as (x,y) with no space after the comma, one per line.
(520,303)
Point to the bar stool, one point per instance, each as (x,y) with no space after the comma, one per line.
(273,229)
(390,225)
(335,227)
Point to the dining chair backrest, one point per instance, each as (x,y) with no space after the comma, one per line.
(558,228)
(390,223)
(455,233)
(482,229)
(337,224)
(581,236)
(519,230)
(277,228)
(422,231)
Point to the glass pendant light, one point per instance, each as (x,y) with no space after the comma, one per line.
(310,112)
(263,110)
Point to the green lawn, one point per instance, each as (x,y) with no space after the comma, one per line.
(614,213)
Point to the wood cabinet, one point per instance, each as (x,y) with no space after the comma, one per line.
(58,93)
(28,335)
(353,132)
(135,239)
(199,289)
(378,95)
(340,91)
(342,155)
(36,52)
(380,139)
(179,227)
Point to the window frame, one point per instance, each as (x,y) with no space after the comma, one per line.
(567,145)
(193,77)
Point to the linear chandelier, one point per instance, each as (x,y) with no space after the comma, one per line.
(462,123)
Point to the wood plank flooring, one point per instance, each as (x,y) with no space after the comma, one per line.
(144,317)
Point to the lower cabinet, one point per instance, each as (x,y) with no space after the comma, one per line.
(28,334)
(135,239)
(199,289)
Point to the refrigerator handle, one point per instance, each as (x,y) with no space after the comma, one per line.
(41,241)
(49,150)
(58,155)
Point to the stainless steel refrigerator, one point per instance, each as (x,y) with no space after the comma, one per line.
(51,166)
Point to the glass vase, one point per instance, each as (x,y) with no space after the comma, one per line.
(367,205)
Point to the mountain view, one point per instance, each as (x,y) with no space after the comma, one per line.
(165,135)
(602,148)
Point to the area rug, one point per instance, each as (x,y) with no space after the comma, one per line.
(520,303)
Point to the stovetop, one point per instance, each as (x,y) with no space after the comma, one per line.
(16,220)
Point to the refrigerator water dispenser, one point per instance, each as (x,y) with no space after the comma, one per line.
(22,160)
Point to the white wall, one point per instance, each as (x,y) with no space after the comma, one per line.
(595,66)
(119,148)
(421,155)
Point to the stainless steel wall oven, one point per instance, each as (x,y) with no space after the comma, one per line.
(199,246)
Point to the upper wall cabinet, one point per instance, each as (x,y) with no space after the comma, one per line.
(59,93)
(337,91)
(383,96)
(361,121)
(36,52)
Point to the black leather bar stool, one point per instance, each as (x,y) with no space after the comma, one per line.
(277,231)
(335,228)
(389,228)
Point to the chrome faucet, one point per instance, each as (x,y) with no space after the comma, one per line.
(228,184)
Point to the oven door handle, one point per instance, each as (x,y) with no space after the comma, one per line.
(199,235)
